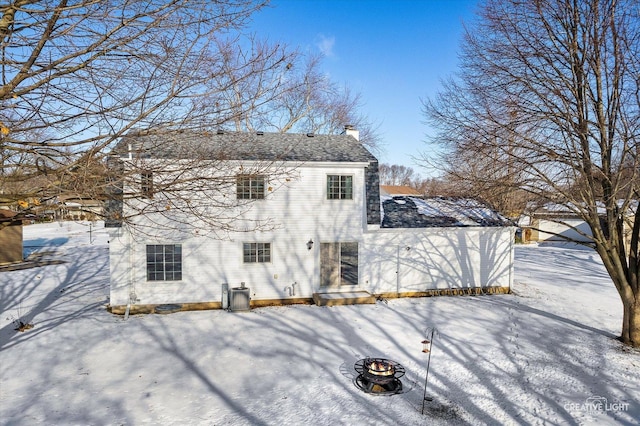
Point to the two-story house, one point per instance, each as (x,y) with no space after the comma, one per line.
(305,220)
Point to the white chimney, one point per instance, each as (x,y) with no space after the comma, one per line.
(349,130)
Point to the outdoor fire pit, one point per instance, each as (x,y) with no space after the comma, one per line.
(379,376)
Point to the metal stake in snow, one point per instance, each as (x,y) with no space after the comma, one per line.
(427,347)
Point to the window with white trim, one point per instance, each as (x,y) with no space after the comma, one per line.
(339,187)
(164,262)
(256,252)
(250,187)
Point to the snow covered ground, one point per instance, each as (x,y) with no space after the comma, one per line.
(544,355)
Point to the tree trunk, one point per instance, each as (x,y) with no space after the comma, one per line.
(626,286)
(631,323)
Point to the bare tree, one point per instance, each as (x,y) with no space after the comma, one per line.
(317,104)
(81,79)
(248,76)
(548,94)
(79,74)
(478,173)
(395,174)
(189,182)
(306,100)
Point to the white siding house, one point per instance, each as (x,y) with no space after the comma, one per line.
(554,222)
(328,233)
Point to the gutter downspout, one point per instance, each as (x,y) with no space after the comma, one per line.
(398,272)
(131,289)
(512,235)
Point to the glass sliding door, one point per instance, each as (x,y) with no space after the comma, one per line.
(338,264)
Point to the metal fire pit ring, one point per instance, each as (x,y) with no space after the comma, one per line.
(379,376)
(362,366)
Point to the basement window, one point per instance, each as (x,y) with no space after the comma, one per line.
(164,262)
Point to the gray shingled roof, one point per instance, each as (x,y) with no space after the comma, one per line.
(246,146)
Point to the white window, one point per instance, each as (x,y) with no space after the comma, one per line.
(164,262)
(339,187)
(256,252)
(250,187)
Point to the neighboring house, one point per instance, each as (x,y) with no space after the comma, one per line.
(71,207)
(10,236)
(78,208)
(333,236)
(399,191)
(554,222)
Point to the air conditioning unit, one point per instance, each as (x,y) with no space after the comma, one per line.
(239,299)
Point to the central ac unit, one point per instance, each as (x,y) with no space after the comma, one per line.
(239,299)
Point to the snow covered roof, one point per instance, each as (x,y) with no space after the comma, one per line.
(551,209)
(570,210)
(411,212)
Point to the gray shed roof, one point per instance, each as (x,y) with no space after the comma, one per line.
(245,146)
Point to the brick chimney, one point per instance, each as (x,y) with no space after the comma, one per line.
(349,130)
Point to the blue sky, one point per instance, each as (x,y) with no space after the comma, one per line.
(394,53)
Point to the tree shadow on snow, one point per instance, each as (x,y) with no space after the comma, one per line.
(46,296)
